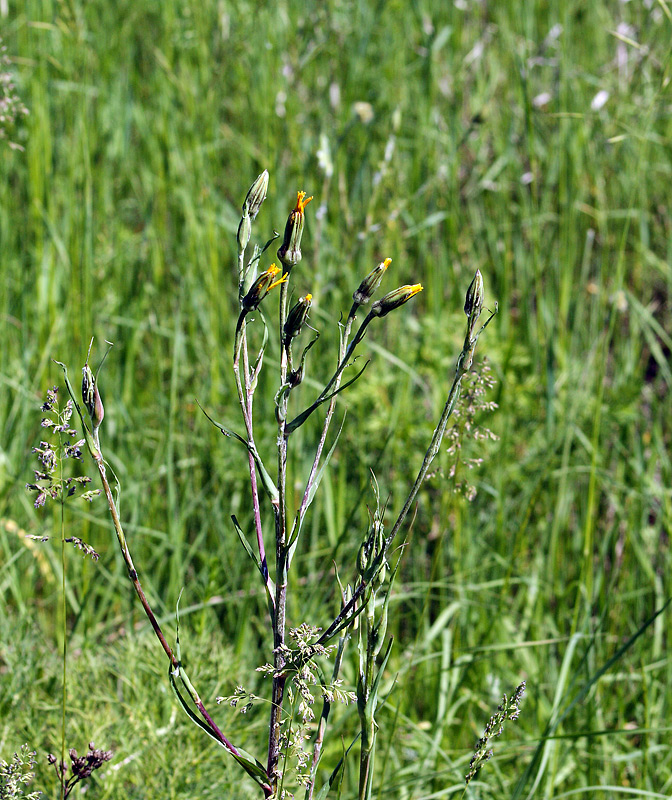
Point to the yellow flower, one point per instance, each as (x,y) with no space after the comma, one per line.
(372,281)
(302,201)
(290,249)
(262,286)
(395,299)
(296,318)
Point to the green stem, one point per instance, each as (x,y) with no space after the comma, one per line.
(64,697)
(279,679)
(335,378)
(305,501)
(464,361)
(93,445)
(368,725)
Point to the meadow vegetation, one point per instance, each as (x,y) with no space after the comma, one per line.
(530,141)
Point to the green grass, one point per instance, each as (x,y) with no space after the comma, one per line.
(147,123)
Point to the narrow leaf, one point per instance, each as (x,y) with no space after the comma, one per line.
(266,480)
(245,543)
(303,416)
(324,790)
(298,521)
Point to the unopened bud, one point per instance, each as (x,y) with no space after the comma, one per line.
(363,558)
(91,397)
(474,300)
(295,377)
(290,249)
(369,285)
(262,286)
(296,318)
(244,231)
(381,575)
(394,299)
(256,196)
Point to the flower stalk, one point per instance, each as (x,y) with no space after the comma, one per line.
(364,606)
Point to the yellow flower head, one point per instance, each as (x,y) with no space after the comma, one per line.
(369,285)
(296,318)
(395,299)
(290,249)
(262,286)
(301,202)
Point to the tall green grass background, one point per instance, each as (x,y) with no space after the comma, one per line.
(461,135)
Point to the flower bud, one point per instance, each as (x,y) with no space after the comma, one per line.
(244,231)
(261,287)
(290,249)
(295,377)
(369,285)
(394,299)
(296,318)
(256,196)
(474,299)
(363,558)
(381,575)
(91,397)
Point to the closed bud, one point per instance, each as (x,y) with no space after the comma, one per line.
(296,318)
(363,558)
(91,397)
(474,300)
(244,232)
(381,575)
(378,536)
(394,299)
(369,285)
(261,287)
(256,196)
(290,249)
(295,377)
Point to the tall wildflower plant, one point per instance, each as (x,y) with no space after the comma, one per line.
(295,667)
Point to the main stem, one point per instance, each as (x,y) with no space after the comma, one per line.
(279,678)
(368,726)
(64,698)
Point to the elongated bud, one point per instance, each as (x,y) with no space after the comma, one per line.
(474,300)
(363,557)
(244,231)
(394,299)
(369,285)
(262,286)
(290,249)
(256,196)
(381,575)
(296,318)
(91,397)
